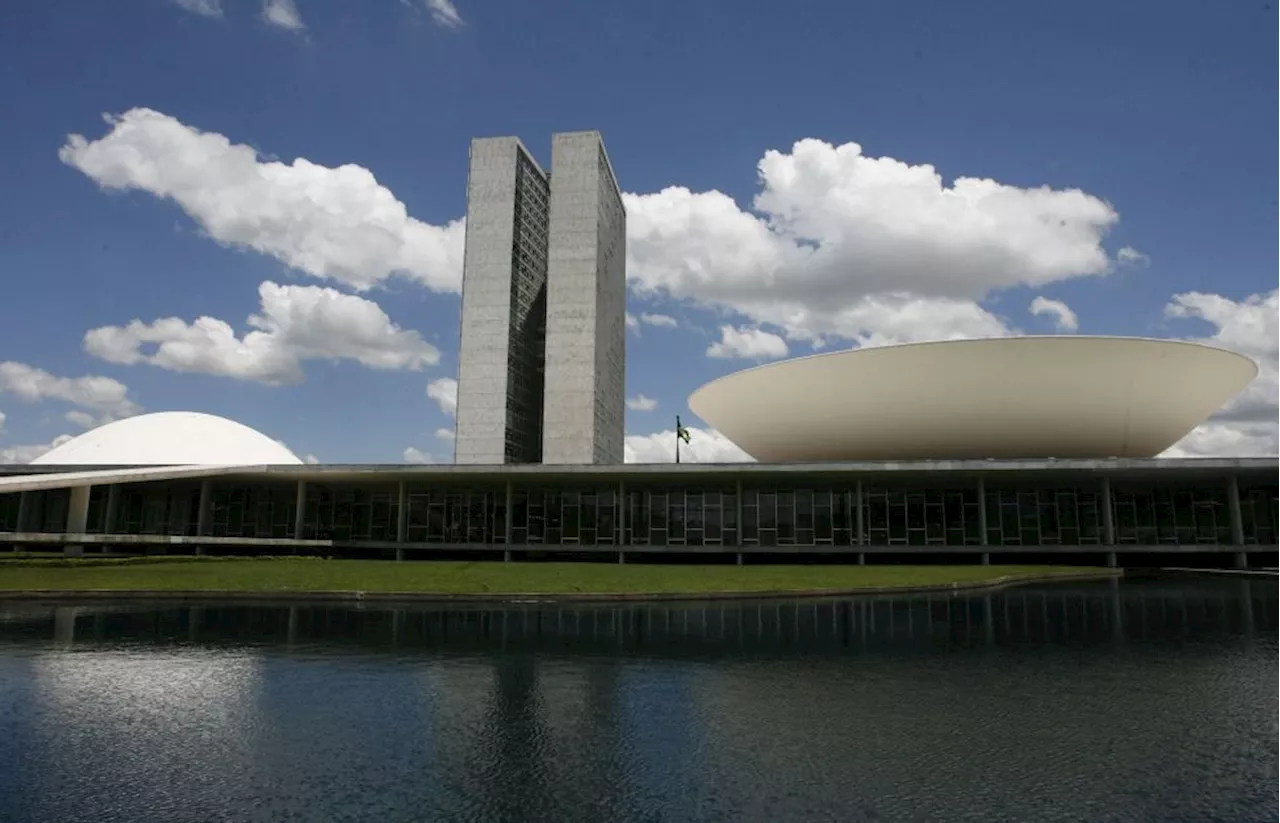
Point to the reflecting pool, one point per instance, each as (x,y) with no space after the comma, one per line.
(1134,700)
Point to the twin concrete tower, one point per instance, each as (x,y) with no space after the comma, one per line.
(542,362)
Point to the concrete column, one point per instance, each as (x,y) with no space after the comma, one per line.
(854,536)
(77,518)
(204,511)
(739,558)
(1108,515)
(402,513)
(113,503)
(24,510)
(1233,507)
(857,518)
(509,491)
(737,503)
(300,511)
(862,558)
(622,557)
(1112,560)
(982,517)
(985,559)
(1241,559)
(622,514)
(402,517)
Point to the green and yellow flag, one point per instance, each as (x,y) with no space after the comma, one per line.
(681,432)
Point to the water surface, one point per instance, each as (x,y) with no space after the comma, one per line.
(1140,700)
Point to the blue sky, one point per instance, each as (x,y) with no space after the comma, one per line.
(1152,125)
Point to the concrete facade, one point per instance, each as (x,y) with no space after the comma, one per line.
(503,306)
(583,403)
(542,360)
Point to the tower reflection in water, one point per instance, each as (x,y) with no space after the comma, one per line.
(1153,698)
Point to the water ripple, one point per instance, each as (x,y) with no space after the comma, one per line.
(1146,700)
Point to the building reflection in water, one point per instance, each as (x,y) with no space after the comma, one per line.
(635,711)
(1089,614)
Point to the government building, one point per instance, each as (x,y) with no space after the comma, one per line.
(541,363)
(1021,449)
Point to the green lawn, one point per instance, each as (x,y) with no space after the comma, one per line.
(316,575)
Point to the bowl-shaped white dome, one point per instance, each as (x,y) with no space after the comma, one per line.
(1015,397)
(170,439)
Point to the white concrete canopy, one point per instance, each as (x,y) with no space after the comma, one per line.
(1009,398)
(41,481)
(170,439)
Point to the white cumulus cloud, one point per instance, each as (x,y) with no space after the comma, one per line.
(890,319)
(1064,319)
(641,403)
(1246,426)
(839,244)
(413,455)
(660,320)
(17,455)
(336,223)
(282,13)
(204,8)
(747,344)
(104,398)
(444,390)
(446,434)
(704,446)
(444,13)
(80,418)
(1129,256)
(295,323)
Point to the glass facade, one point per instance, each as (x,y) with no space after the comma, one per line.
(794,517)
(1258,507)
(527,323)
(10,505)
(677,517)
(152,508)
(898,516)
(1044,516)
(43,511)
(824,516)
(263,512)
(1149,514)
(459,516)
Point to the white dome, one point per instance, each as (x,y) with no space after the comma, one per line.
(1012,397)
(170,439)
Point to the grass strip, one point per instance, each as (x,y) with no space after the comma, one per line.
(471,577)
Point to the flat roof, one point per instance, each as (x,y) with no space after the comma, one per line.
(30,478)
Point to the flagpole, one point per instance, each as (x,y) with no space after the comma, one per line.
(677,438)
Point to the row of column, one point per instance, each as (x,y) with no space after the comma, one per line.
(78,514)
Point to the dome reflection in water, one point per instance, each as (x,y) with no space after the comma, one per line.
(1143,699)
